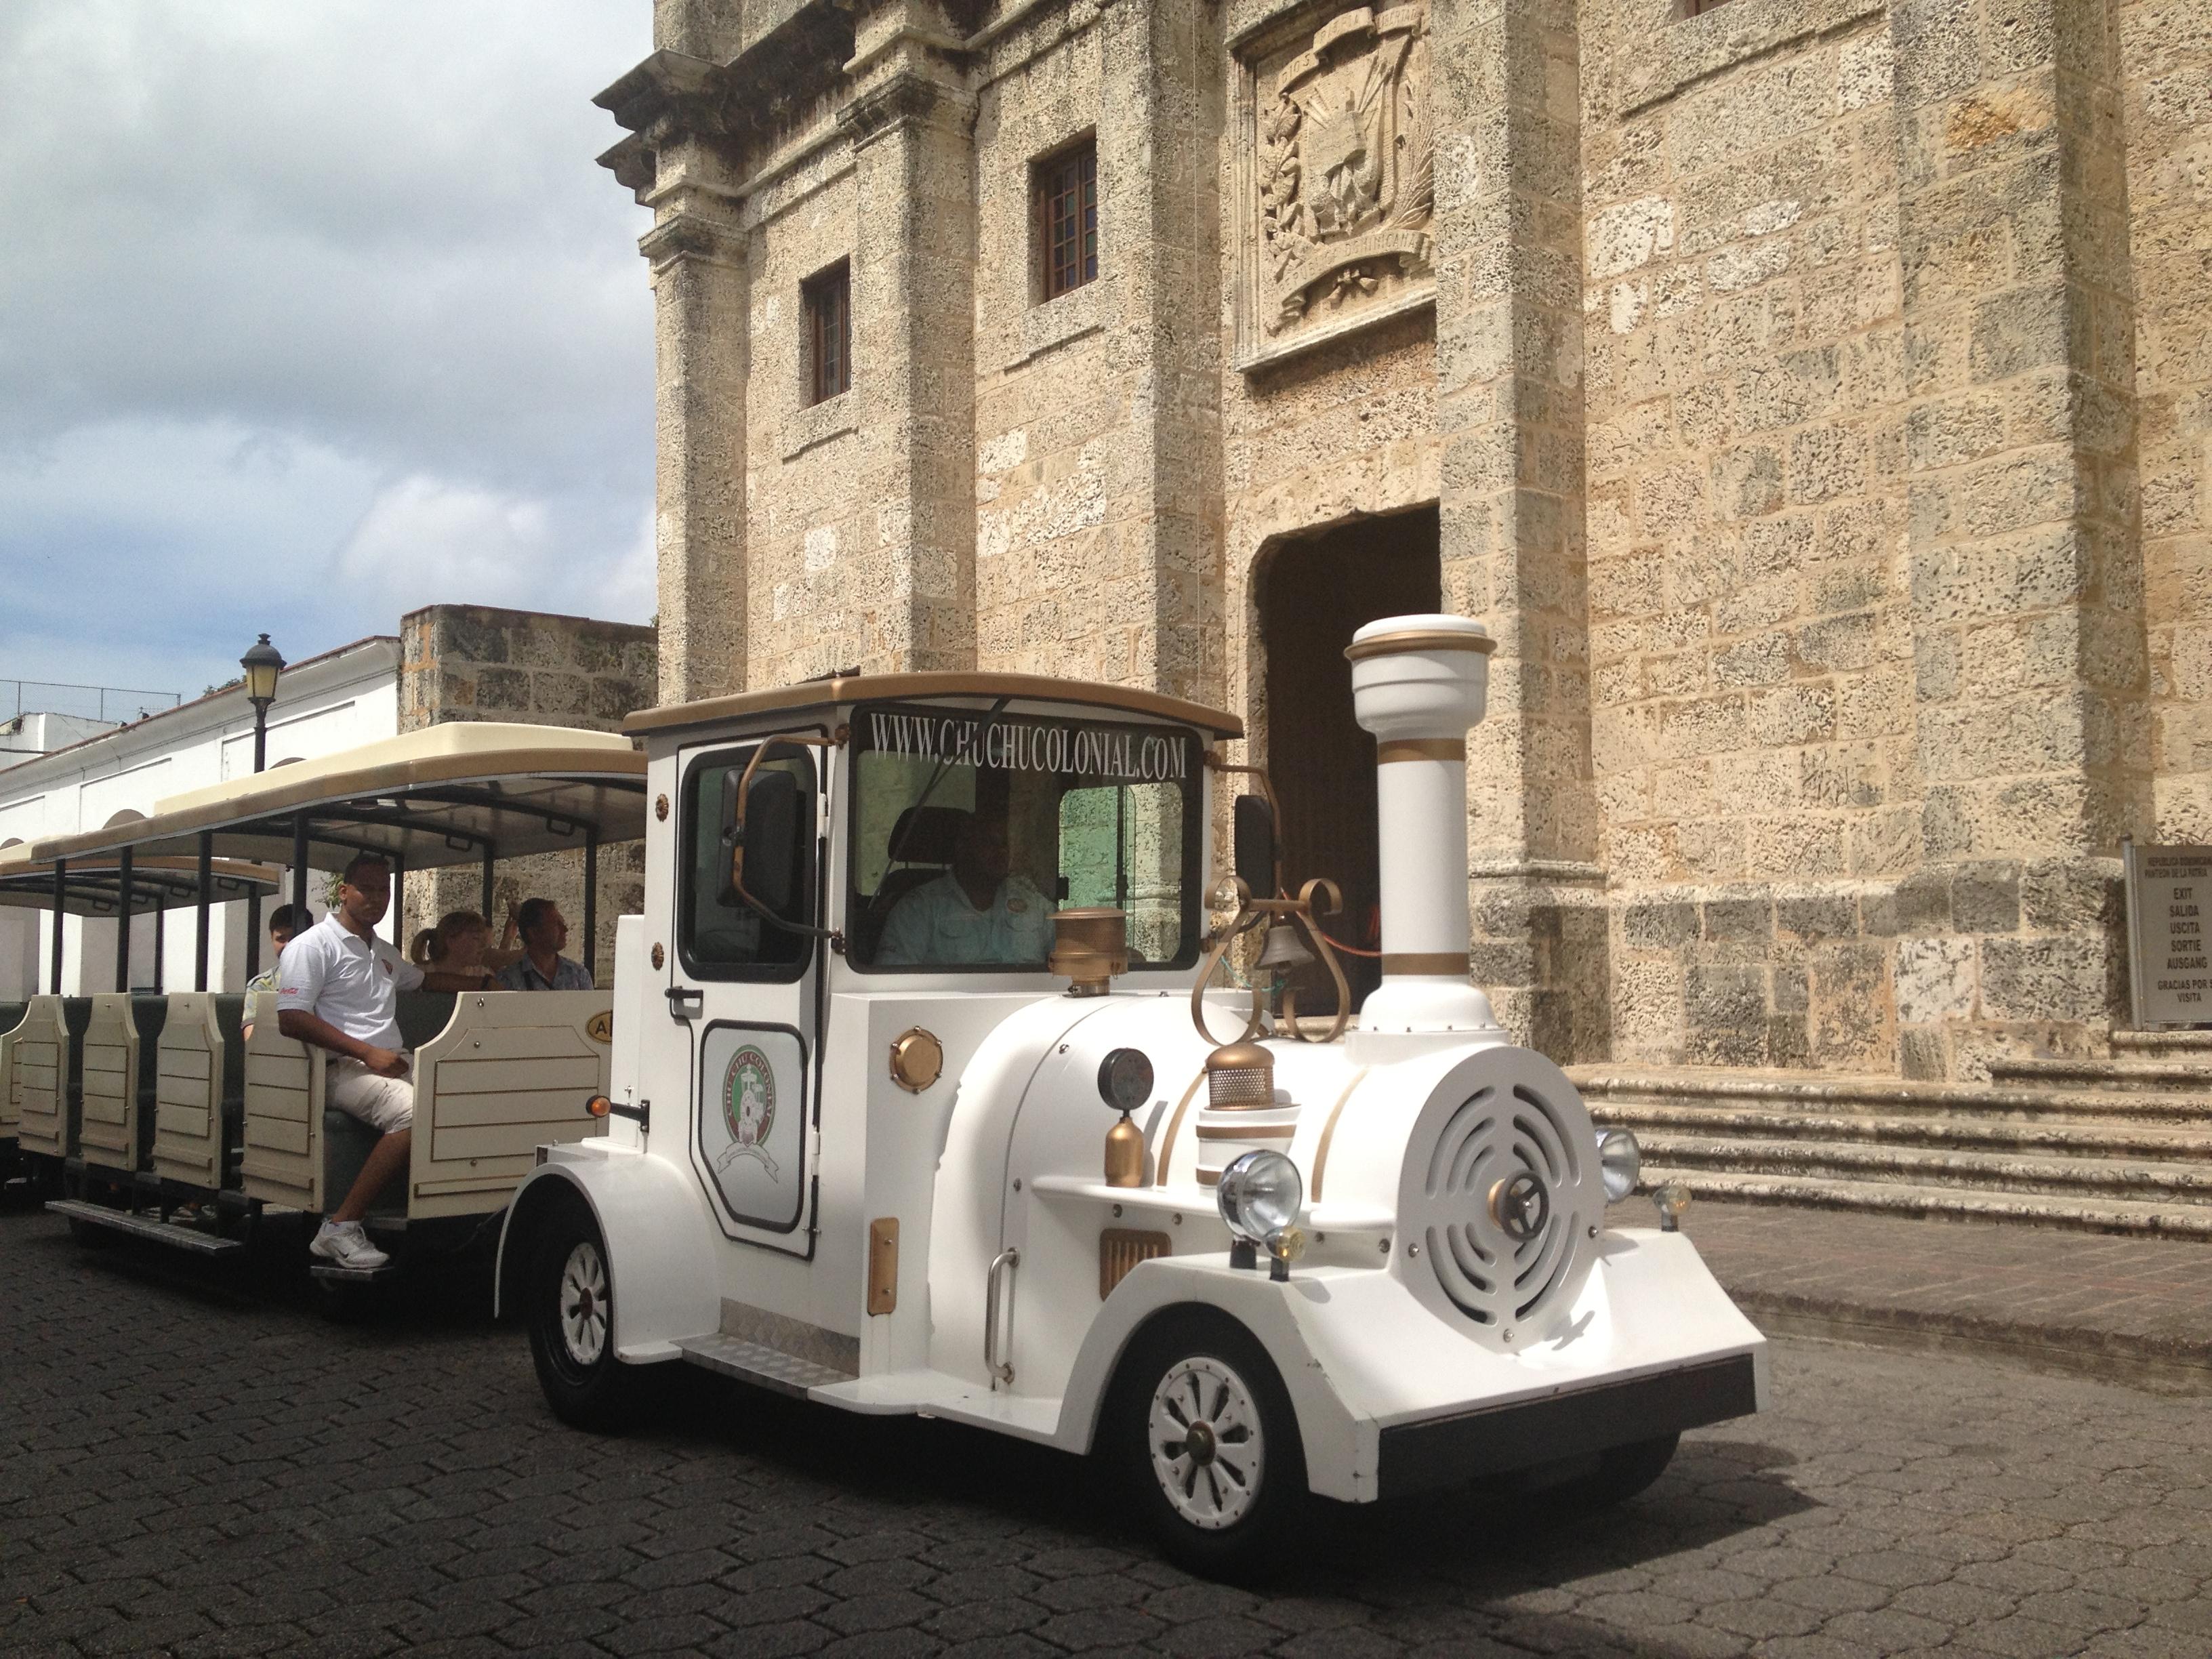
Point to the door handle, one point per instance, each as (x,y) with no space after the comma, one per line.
(686,1002)
(1002,1269)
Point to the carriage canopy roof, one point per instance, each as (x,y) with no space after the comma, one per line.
(453,793)
(93,886)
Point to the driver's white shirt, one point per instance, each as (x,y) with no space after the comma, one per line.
(937,926)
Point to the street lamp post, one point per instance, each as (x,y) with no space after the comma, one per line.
(263,662)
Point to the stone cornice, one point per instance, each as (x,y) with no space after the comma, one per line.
(905,97)
(690,233)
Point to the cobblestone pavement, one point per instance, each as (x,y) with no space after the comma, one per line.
(193,1473)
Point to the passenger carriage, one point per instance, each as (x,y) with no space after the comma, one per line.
(141,1105)
(1027,1177)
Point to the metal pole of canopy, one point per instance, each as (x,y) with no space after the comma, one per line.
(592,903)
(123,921)
(160,940)
(489,918)
(200,931)
(399,900)
(253,932)
(300,864)
(61,900)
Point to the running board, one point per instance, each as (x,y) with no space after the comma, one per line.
(765,1367)
(333,1274)
(148,1227)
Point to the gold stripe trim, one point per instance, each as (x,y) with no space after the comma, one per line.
(1437,639)
(1421,748)
(1258,1132)
(1426,963)
(1328,1130)
(1167,1146)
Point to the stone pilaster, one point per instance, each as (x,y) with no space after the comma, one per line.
(1161,230)
(696,247)
(2029,660)
(1510,411)
(914,351)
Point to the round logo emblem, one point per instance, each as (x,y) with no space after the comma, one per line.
(1520,1206)
(749,1108)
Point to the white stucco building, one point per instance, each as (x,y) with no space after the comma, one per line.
(334,700)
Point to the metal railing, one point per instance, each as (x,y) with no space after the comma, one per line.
(115,704)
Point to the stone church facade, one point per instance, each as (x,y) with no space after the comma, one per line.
(1810,395)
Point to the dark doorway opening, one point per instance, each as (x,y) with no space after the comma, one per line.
(1313,592)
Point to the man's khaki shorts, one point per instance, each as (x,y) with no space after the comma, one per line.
(384,1104)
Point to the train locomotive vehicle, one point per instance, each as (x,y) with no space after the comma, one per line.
(922,1104)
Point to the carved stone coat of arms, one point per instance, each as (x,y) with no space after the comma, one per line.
(1345,171)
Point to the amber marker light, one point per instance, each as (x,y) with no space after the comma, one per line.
(599,1105)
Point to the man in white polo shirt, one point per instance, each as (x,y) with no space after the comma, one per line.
(337,988)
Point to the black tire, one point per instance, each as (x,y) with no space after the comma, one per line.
(1622,1472)
(1234,1516)
(568,1306)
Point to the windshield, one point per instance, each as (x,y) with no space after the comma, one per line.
(969,829)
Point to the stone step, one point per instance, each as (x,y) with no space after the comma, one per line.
(2118,1074)
(1994,1175)
(2099,1139)
(2164,1045)
(1839,1093)
(2095,1215)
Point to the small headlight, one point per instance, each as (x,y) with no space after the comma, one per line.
(1259,1195)
(1125,1079)
(1621,1161)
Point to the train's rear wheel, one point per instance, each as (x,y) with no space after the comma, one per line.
(570,1308)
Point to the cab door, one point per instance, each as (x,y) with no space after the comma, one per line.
(747,982)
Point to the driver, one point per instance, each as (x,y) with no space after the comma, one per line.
(976,913)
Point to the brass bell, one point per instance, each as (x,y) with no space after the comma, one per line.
(1284,948)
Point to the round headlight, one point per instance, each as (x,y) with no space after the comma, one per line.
(1259,1194)
(1125,1079)
(1621,1161)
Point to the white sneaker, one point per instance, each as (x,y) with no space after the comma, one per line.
(343,1243)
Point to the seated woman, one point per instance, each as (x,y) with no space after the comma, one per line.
(461,944)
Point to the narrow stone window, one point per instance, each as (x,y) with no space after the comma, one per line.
(1695,8)
(829,304)
(1067,220)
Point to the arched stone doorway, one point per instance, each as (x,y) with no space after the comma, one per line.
(1311,593)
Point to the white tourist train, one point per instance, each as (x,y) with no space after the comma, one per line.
(919,1103)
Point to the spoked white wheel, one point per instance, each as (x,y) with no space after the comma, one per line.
(1206,1442)
(1209,1450)
(584,1304)
(569,1303)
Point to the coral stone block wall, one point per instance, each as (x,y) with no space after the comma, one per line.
(467,662)
(1810,395)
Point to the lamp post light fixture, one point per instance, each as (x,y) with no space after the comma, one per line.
(263,662)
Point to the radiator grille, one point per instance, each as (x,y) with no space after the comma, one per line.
(1495,1134)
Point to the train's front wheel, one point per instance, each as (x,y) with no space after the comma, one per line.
(571,1312)
(1205,1435)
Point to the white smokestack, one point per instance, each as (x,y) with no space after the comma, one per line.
(1418,684)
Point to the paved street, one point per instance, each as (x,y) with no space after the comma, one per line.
(194,1473)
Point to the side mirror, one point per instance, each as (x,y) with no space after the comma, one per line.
(767,862)
(1254,839)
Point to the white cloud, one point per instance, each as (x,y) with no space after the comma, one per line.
(307,298)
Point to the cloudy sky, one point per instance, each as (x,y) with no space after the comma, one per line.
(311,312)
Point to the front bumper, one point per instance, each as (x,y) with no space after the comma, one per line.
(1450,1451)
